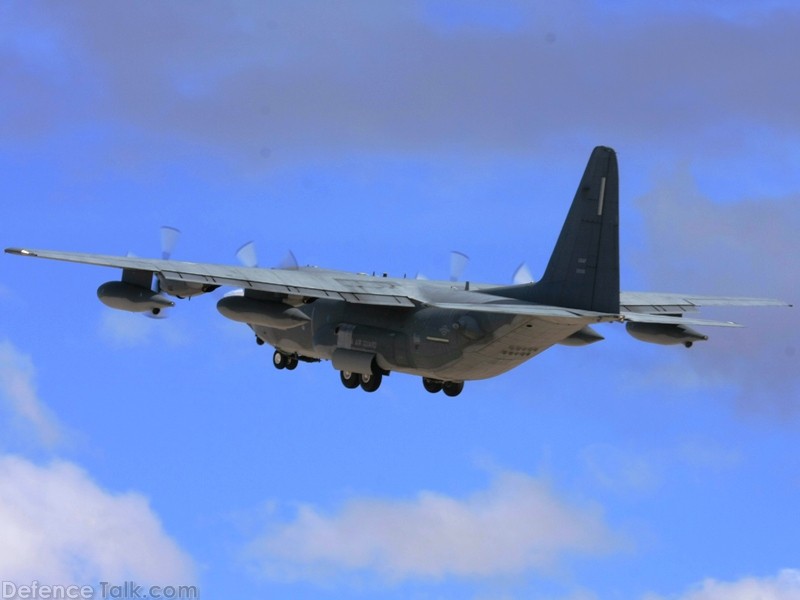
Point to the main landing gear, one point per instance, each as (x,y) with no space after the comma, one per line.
(284,361)
(450,388)
(368,383)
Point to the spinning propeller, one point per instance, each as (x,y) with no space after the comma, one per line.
(523,275)
(458,262)
(246,254)
(169,238)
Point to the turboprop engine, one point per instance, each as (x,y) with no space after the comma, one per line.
(664,333)
(132,298)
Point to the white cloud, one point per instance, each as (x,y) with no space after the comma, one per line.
(127,329)
(517,525)
(60,527)
(18,393)
(621,471)
(784,586)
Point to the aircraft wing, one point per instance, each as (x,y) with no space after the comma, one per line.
(528,310)
(556,312)
(307,282)
(655,303)
(653,307)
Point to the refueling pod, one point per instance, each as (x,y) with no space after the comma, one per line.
(664,333)
(132,298)
(267,313)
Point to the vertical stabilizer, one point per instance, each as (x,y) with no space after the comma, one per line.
(583,271)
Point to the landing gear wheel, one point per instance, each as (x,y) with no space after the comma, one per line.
(371,382)
(350,380)
(432,385)
(453,388)
(291,362)
(259,341)
(279,360)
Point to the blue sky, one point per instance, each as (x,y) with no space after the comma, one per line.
(379,137)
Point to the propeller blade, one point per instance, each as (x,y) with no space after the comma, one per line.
(247,255)
(289,262)
(523,275)
(458,262)
(169,237)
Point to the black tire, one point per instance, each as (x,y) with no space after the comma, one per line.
(453,388)
(291,362)
(371,382)
(432,385)
(279,360)
(350,380)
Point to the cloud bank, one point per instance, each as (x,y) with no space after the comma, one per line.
(18,393)
(784,586)
(516,525)
(60,527)
(268,80)
(744,248)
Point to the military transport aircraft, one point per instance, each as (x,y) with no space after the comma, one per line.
(443,331)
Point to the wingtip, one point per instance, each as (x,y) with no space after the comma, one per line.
(20,252)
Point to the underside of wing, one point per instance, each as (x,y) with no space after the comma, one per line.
(309,282)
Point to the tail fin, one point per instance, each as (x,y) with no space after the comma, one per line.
(583,271)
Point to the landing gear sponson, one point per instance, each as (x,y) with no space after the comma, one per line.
(368,382)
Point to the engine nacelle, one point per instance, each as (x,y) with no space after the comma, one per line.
(664,333)
(261,312)
(132,298)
